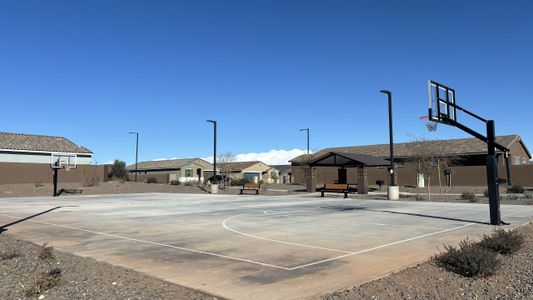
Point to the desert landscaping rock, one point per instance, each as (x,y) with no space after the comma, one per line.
(514,280)
(81,277)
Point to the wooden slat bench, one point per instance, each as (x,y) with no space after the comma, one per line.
(335,188)
(71,191)
(250,186)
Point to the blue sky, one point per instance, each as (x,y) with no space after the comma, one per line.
(94,70)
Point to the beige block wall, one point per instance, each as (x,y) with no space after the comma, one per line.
(461,176)
(11,173)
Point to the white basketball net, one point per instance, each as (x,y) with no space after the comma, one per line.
(431,125)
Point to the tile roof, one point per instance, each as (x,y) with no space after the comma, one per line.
(33,142)
(164,164)
(237,166)
(282,168)
(465,146)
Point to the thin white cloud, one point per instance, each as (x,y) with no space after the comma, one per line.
(272,157)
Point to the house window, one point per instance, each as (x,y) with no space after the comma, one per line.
(188,172)
(517,160)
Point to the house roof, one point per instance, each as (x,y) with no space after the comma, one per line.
(282,168)
(237,166)
(348,160)
(41,143)
(173,164)
(465,146)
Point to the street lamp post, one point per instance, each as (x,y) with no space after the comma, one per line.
(214,154)
(306,129)
(136,151)
(393,190)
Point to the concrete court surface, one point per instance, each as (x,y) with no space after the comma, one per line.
(251,247)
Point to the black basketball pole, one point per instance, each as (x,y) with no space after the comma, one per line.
(56,170)
(492,175)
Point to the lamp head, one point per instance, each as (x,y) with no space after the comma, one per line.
(385,92)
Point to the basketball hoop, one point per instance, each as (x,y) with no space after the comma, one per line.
(430,124)
(66,167)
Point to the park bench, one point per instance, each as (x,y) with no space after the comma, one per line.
(250,186)
(71,191)
(335,188)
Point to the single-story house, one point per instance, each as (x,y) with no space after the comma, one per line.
(284,173)
(27,158)
(173,170)
(461,161)
(249,170)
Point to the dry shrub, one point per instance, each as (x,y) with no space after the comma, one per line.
(46,252)
(515,189)
(469,259)
(469,196)
(8,256)
(503,241)
(151,180)
(43,281)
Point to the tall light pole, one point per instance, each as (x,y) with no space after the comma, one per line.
(214,150)
(136,151)
(392,185)
(306,129)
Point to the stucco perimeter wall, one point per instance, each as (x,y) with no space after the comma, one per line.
(461,176)
(11,173)
(159,177)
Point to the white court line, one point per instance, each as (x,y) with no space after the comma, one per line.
(378,247)
(154,243)
(225,225)
(248,260)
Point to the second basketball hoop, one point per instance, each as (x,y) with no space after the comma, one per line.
(430,124)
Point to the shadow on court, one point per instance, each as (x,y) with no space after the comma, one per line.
(5,226)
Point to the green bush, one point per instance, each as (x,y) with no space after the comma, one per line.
(151,180)
(528,195)
(175,182)
(503,241)
(515,189)
(469,196)
(118,170)
(469,259)
(486,193)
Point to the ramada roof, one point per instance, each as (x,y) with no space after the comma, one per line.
(168,164)
(38,143)
(454,147)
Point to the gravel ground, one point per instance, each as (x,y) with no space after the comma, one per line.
(514,280)
(113,187)
(76,277)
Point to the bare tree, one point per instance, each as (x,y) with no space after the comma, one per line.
(425,158)
(225,159)
(429,156)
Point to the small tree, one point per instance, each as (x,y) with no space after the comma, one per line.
(225,159)
(428,157)
(118,170)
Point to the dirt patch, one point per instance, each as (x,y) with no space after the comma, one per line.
(26,275)
(514,280)
(114,187)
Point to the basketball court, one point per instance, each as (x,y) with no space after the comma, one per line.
(250,247)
